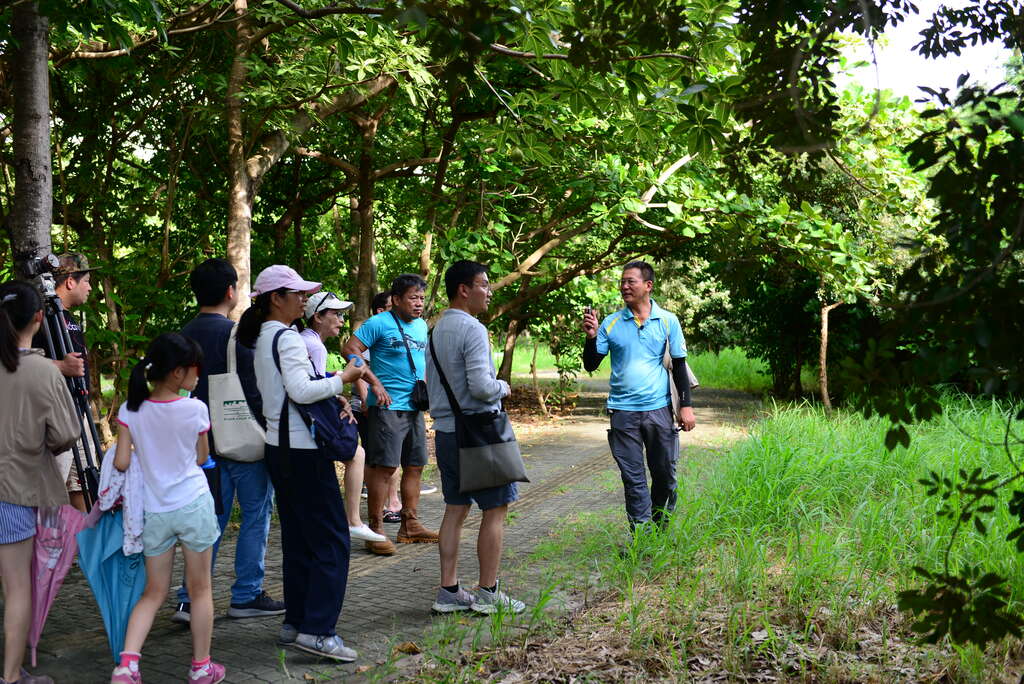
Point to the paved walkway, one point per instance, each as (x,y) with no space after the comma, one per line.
(388,599)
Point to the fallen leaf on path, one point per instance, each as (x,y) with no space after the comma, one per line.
(408,647)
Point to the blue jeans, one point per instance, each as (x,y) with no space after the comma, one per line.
(251,483)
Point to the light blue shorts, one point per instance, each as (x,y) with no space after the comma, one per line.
(194,525)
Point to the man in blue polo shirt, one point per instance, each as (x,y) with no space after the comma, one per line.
(639,402)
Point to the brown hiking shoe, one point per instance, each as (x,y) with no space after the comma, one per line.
(412,530)
(381,548)
(384,548)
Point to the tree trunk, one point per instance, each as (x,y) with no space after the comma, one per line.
(300,261)
(32,211)
(437,191)
(366,274)
(536,383)
(102,409)
(515,328)
(823,356)
(240,185)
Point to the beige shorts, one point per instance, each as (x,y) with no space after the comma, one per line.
(66,467)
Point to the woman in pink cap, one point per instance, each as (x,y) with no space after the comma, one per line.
(314,528)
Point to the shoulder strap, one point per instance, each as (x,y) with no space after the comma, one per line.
(232,356)
(666,357)
(283,435)
(408,354)
(456,409)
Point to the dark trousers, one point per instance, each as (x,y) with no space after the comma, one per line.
(631,434)
(314,538)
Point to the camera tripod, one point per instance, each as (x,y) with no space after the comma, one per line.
(86,452)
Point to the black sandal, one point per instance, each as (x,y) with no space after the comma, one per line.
(392,516)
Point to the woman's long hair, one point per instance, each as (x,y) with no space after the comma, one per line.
(165,353)
(252,319)
(19,302)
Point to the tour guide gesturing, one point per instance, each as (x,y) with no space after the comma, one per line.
(639,401)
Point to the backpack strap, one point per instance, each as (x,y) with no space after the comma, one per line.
(283,436)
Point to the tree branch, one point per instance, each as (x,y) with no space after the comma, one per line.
(349,169)
(106,51)
(529,262)
(329,10)
(407,164)
(649,195)
(272,146)
(518,54)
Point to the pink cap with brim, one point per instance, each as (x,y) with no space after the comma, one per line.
(277,276)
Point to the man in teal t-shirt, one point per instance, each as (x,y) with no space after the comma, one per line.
(639,400)
(396,434)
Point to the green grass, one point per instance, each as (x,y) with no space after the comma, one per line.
(731,369)
(801,534)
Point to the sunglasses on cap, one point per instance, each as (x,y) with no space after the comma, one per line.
(320,307)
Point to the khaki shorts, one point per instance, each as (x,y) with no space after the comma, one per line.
(66,467)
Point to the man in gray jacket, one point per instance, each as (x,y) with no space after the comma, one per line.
(462,350)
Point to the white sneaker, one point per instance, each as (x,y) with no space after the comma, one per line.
(327,646)
(365,533)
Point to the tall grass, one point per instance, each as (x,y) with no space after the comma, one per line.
(804,531)
(730,369)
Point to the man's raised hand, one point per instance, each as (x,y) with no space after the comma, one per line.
(590,323)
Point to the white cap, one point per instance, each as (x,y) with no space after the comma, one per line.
(325,301)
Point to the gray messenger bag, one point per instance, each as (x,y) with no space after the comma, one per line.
(488,451)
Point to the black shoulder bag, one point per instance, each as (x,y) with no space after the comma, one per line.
(336,438)
(488,451)
(419,399)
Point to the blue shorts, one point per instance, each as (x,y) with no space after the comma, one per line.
(17,523)
(194,525)
(447,454)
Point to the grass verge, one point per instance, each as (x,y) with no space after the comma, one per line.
(729,369)
(782,560)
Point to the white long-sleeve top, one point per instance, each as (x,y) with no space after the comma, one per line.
(127,488)
(295,376)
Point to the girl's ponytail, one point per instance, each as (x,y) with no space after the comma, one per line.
(138,388)
(252,320)
(166,352)
(19,302)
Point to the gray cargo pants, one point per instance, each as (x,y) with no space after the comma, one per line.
(631,434)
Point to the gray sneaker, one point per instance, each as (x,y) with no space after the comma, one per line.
(488,602)
(287,635)
(452,601)
(327,646)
